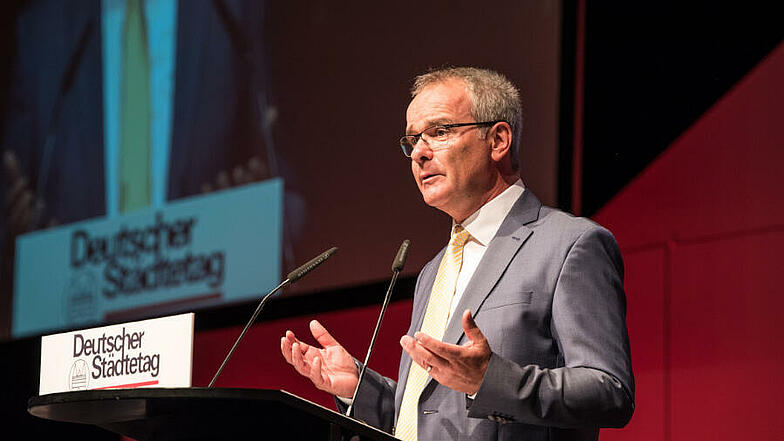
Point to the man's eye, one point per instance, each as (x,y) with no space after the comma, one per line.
(440,132)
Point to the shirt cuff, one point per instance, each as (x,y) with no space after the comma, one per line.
(346,401)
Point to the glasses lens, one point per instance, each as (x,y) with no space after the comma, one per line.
(407,144)
(437,134)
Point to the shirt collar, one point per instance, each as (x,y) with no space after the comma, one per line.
(485,222)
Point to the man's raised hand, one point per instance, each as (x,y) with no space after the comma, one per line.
(331,368)
(461,368)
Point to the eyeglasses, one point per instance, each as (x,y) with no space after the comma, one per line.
(437,137)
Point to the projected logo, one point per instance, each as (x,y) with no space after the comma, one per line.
(80,298)
(79,377)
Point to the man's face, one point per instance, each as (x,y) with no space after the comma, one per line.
(454,179)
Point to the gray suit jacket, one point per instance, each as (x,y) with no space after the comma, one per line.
(548,295)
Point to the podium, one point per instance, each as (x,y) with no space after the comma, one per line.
(203,414)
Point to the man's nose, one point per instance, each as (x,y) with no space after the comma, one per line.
(422,151)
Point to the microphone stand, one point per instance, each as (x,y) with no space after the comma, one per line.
(242,334)
(291,278)
(396,268)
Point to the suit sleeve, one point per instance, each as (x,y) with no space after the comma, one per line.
(594,387)
(375,401)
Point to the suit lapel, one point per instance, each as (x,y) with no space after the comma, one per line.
(510,237)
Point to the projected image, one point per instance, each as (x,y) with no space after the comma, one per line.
(162,156)
(116,111)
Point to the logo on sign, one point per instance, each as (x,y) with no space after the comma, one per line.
(80,375)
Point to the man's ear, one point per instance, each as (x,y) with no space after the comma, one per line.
(500,136)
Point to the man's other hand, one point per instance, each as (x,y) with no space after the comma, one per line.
(331,368)
(461,368)
(24,211)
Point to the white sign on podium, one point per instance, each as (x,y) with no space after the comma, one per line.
(151,353)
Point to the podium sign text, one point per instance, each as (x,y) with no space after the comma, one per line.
(152,353)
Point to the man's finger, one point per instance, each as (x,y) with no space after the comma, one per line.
(444,350)
(223,181)
(315,372)
(299,363)
(257,169)
(291,338)
(37,213)
(321,335)
(19,218)
(470,328)
(287,346)
(240,175)
(11,165)
(17,189)
(285,349)
(421,355)
(302,348)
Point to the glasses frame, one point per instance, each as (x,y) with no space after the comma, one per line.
(417,137)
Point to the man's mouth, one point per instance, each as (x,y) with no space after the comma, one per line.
(425,178)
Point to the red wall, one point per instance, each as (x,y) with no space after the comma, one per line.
(700,231)
(257,363)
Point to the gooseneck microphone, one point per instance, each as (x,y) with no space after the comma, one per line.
(291,278)
(310,266)
(397,266)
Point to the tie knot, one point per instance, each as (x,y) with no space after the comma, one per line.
(460,236)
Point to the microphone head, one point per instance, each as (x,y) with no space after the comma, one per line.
(402,255)
(311,265)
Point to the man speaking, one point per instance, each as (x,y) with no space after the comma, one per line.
(518,327)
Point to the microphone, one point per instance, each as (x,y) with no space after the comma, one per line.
(397,266)
(310,266)
(402,255)
(291,278)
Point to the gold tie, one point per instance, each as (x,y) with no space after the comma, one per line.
(135,129)
(434,325)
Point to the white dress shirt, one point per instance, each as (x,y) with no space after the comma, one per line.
(483,225)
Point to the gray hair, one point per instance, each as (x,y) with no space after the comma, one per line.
(493,97)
